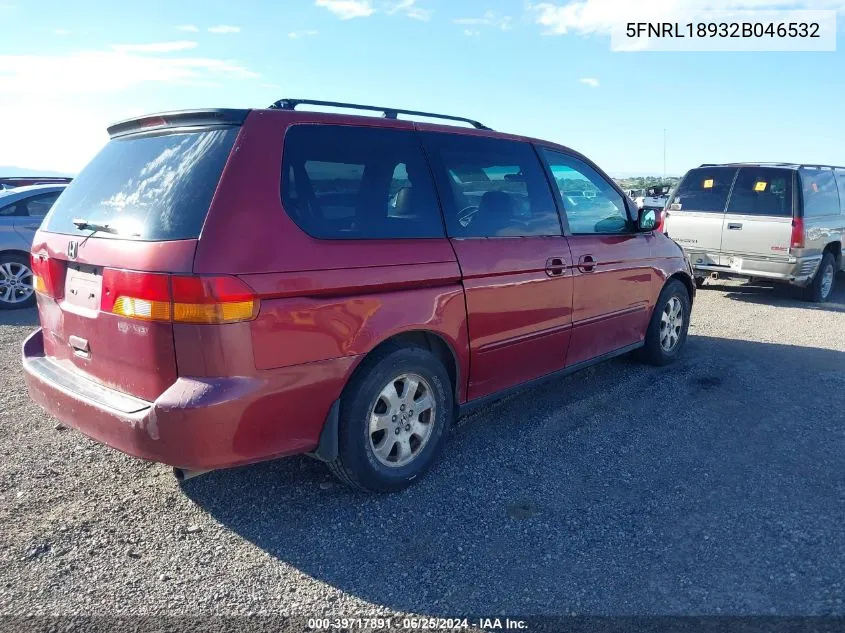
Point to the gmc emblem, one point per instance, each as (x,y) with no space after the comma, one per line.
(72,250)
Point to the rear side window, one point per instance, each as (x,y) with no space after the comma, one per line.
(491,187)
(762,191)
(840,180)
(151,187)
(38,206)
(343,182)
(704,189)
(821,196)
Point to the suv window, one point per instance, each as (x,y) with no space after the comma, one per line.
(821,196)
(762,191)
(704,189)
(491,187)
(343,182)
(840,180)
(591,203)
(149,187)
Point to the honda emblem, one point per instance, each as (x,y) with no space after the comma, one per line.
(72,249)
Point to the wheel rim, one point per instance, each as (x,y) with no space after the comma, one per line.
(827,281)
(671,323)
(15,282)
(402,420)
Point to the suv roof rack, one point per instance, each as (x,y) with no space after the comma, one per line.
(387,113)
(763,164)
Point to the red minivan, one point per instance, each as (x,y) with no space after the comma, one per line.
(221,287)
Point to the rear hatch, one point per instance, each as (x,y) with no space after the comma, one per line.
(758,222)
(696,212)
(121,239)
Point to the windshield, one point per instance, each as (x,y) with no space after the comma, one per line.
(156,187)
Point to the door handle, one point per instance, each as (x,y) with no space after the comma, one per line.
(555,266)
(586,263)
(734,226)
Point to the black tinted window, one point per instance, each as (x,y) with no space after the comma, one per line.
(840,180)
(704,189)
(762,191)
(821,196)
(591,203)
(342,182)
(147,187)
(491,187)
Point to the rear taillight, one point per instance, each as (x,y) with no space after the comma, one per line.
(47,277)
(661,220)
(798,236)
(177,298)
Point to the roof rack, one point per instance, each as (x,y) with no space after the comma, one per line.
(764,164)
(387,113)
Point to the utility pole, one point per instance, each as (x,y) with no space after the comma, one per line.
(664,154)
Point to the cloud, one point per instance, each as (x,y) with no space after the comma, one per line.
(590,81)
(297,34)
(409,8)
(490,18)
(111,71)
(348,9)
(585,17)
(61,32)
(221,29)
(188,28)
(157,47)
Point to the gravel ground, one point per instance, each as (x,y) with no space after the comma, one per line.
(713,486)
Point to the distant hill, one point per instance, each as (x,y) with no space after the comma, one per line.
(23,171)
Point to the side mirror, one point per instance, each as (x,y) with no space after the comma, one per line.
(647,220)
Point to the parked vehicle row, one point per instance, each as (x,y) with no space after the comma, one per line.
(774,221)
(338,285)
(21,211)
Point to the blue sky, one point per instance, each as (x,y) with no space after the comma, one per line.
(537,68)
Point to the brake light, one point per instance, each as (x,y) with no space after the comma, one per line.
(135,295)
(661,220)
(798,236)
(177,298)
(198,299)
(47,278)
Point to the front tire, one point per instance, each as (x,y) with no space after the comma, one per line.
(667,330)
(394,417)
(821,287)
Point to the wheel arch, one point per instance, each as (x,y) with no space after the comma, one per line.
(835,248)
(686,280)
(437,344)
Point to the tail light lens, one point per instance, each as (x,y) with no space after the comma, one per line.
(177,298)
(798,236)
(47,275)
(661,220)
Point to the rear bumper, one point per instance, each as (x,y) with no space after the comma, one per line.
(197,423)
(798,271)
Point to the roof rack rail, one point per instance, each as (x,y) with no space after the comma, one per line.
(387,113)
(770,164)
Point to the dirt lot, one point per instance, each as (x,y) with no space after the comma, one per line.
(713,486)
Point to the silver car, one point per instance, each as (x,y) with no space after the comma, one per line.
(776,221)
(21,212)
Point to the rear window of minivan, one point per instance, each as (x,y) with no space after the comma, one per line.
(704,189)
(150,187)
(346,182)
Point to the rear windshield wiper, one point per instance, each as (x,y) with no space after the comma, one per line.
(86,225)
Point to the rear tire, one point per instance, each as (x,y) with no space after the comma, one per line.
(16,282)
(667,330)
(821,287)
(395,415)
